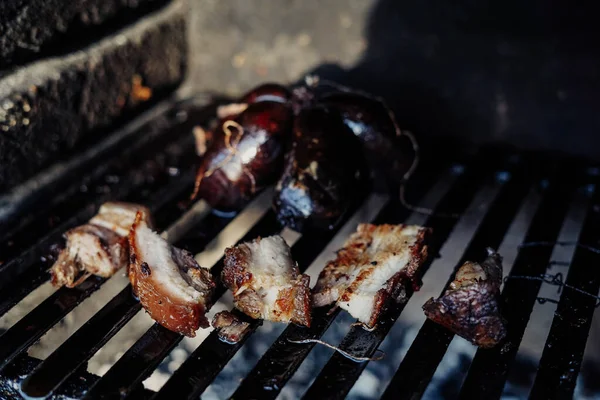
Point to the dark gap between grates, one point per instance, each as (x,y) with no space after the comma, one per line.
(339,374)
(32,326)
(88,339)
(563,353)
(35,269)
(152,178)
(135,188)
(282,359)
(147,353)
(65,368)
(432,341)
(489,369)
(195,374)
(95,181)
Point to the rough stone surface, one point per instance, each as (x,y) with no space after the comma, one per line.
(28,27)
(50,106)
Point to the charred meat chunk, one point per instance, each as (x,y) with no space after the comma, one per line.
(325,172)
(469,307)
(168,281)
(266,282)
(374,266)
(98,247)
(245,155)
(229,327)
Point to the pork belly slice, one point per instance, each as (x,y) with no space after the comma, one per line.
(90,250)
(168,281)
(469,307)
(229,327)
(118,216)
(97,248)
(374,266)
(266,282)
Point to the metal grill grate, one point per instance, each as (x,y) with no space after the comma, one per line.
(488,190)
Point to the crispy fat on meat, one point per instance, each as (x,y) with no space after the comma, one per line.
(229,327)
(97,248)
(168,281)
(118,216)
(372,268)
(266,282)
(469,307)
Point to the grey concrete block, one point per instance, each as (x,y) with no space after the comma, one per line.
(239,43)
(49,107)
(31,27)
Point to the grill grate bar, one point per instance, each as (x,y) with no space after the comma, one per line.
(488,371)
(561,359)
(32,326)
(81,346)
(31,265)
(196,373)
(430,345)
(282,359)
(163,204)
(204,364)
(340,374)
(84,343)
(30,281)
(147,353)
(109,175)
(494,202)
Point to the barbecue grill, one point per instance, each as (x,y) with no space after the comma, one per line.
(504,198)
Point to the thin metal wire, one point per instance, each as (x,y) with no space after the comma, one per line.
(342,352)
(556,280)
(562,244)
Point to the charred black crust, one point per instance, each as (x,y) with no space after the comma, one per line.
(301,314)
(145,269)
(230,329)
(235,265)
(324,172)
(471,312)
(184,317)
(398,285)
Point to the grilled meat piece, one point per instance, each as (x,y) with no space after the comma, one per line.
(98,247)
(118,216)
(229,327)
(266,282)
(372,268)
(388,151)
(245,155)
(90,250)
(170,284)
(469,307)
(325,172)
